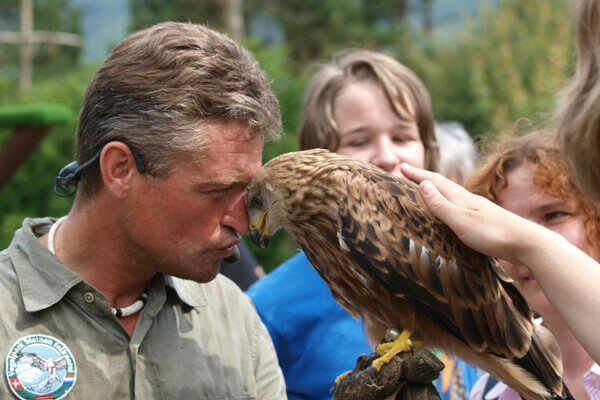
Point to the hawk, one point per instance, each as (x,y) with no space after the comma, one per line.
(386,258)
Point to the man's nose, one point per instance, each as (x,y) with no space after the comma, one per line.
(236,216)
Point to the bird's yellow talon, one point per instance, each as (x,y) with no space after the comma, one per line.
(389,350)
(342,376)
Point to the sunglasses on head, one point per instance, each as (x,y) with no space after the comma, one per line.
(69,175)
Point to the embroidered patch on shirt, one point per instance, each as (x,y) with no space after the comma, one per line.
(40,367)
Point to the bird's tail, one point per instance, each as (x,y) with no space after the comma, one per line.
(543,360)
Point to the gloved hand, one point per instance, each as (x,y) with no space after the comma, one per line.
(408,376)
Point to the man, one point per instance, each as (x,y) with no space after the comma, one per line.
(124,290)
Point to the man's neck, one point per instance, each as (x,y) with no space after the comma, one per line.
(90,245)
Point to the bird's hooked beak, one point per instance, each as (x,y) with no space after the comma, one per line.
(260,235)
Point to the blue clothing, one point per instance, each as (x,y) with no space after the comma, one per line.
(315,338)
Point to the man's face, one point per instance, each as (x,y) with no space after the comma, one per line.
(186,224)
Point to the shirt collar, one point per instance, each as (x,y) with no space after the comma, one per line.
(43,279)
(190,292)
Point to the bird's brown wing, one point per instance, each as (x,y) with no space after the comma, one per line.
(401,245)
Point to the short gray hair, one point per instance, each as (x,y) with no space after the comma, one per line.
(161,85)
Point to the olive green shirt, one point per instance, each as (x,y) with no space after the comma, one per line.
(191,341)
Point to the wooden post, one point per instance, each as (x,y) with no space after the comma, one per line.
(235,20)
(27,38)
(427,17)
(26,75)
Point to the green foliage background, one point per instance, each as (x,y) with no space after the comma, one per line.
(508,63)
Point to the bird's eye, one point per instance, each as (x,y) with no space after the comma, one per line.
(256,202)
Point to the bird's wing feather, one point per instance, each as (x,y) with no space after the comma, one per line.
(393,237)
(61,362)
(34,360)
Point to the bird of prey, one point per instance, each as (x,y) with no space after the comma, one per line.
(386,258)
(51,365)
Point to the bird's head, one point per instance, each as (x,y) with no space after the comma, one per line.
(279,193)
(263,211)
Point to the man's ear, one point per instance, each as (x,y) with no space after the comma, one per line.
(117,166)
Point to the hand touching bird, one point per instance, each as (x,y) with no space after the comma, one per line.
(386,258)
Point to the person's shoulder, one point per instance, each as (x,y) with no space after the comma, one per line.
(8,274)
(296,265)
(9,288)
(222,286)
(219,291)
(5,260)
(294,276)
(222,283)
(4,257)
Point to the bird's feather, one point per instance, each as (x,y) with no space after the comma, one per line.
(414,256)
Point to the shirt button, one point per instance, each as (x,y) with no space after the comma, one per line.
(89,297)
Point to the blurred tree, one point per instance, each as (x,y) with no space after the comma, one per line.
(48,16)
(314,30)
(509,63)
(149,12)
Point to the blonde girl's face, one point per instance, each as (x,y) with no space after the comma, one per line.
(371,131)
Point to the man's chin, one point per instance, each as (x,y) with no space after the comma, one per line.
(205,273)
(209,272)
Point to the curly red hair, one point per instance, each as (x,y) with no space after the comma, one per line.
(539,151)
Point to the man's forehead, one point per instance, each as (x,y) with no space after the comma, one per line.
(227,170)
(229,153)
(232,143)
(232,130)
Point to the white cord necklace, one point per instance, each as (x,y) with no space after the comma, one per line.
(118,312)
(52,233)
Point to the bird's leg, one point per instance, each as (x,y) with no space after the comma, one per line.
(389,350)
